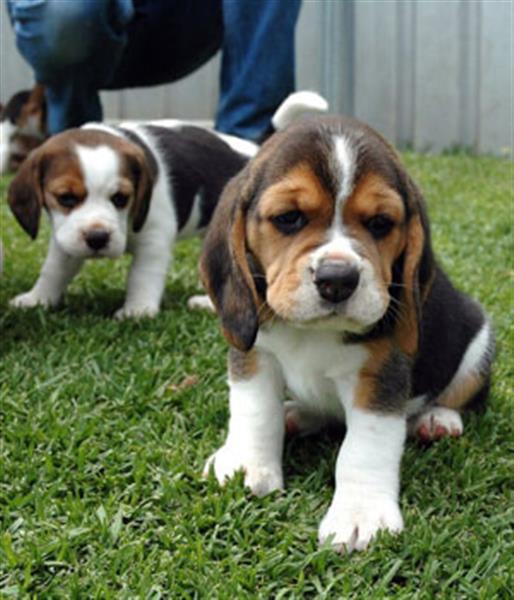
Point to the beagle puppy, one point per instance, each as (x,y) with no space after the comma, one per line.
(108,190)
(22,127)
(319,263)
(136,187)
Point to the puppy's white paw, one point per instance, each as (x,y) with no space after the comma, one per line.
(435,423)
(31,299)
(351,523)
(129,311)
(201,302)
(262,479)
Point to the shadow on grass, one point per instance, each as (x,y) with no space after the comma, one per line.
(317,453)
(82,312)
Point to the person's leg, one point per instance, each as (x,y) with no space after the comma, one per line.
(78,47)
(73,46)
(258,64)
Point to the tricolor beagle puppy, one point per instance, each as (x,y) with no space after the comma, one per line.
(133,187)
(22,127)
(319,262)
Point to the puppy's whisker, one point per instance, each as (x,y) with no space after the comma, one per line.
(398,285)
(396,302)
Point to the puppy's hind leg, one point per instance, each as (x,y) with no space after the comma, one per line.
(435,423)
(467,389)
(58,270)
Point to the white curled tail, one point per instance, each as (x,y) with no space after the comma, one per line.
(297,105)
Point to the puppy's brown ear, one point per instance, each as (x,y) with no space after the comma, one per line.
(416,265)
(25,194)
(143,170)
(224,266)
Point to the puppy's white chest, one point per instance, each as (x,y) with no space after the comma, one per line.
(318,368)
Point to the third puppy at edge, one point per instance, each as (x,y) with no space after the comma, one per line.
(320,265)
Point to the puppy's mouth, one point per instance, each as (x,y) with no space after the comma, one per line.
(91,254)
(103,253)
(326,316)
(86,252)
(334,320)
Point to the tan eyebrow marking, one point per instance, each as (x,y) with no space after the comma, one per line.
(372,196)
(299,189)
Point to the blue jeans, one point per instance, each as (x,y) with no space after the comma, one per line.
(78,47)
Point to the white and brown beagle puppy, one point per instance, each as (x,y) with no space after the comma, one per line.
(22,127)
(320,265)
(134,187)
(108,190)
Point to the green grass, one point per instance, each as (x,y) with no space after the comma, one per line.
(105,428)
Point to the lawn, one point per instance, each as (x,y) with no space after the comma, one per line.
(105,427)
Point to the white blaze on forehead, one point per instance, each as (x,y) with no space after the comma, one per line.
(345,164)
(338,242)
(100,167)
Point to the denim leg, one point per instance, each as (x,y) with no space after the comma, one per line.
(73,47)
(77,47)
(258,64)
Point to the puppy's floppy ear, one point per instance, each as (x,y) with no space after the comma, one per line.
(416,268)
(224,267)
(143,169)
(25,194)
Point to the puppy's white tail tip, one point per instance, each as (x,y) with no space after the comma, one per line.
(297,105)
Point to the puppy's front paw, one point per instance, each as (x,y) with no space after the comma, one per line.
(134,311)
(354,521)
(262,479)
(31,299)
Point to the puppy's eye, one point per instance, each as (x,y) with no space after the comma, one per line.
(290,222)
(119,200)
(379,226)
(68,200)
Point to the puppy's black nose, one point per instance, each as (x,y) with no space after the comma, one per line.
(97,239)
(336,281)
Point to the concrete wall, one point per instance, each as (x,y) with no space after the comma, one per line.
(431,74)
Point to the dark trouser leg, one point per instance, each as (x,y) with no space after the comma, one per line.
(258,63)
